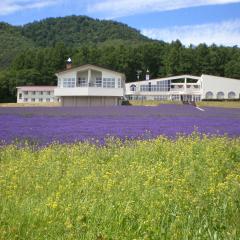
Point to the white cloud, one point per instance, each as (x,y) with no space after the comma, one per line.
(122,8)
(11,6)
(224,33)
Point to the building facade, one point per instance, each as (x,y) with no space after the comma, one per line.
(184,88)
(89,85)
(38,94)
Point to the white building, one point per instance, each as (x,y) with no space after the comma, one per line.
(184,88)
(31,94)
(89,85)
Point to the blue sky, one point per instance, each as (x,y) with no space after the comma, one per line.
(191,21)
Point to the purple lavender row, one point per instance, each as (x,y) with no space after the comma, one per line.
(67,125)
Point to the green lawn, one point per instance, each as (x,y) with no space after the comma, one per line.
(29,104)
(224,104)
(152,102)
(159,189)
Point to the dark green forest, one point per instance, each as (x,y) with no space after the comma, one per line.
(31,54)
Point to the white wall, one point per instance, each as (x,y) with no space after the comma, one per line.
(216,84)
(91,91)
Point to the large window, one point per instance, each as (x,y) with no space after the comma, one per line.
(209,95)
(161,86)
(20,96)
(109,82)
(220,95)
(231,95)
(69,82)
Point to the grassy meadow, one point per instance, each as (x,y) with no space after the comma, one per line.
(222,104)
(187,188)
(44,104)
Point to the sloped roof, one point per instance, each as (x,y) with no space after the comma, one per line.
(89,65)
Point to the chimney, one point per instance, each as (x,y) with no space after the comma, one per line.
(148,75)
(69,63)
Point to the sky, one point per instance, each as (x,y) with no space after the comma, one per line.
(190,21)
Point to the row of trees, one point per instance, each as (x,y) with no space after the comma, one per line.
(37,66)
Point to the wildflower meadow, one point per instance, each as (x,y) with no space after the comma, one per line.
(182,186)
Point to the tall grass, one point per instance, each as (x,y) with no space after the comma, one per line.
(188,188)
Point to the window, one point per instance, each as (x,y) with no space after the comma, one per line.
(133,97)
(98,82)
(41,93)
(47,99)
(32,99)
(209,95)
(231,95)
(82,82)
(20,96)
(48,93)
(69,82)
(25,99)
(196,98)
(40,100)
(108,82)
(161,98)
(161,86)
(119,83)
(133,88)
(175,98)
(25,92)
(33,93)
(220,95)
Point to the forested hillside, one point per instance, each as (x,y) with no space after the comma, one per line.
(11,43)
(31,54)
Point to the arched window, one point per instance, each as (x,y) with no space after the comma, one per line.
(133,88)
(209,95)
(220,95)
(231,95)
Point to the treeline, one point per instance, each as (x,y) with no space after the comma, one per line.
(37,66)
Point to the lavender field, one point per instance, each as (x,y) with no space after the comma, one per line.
(67,125)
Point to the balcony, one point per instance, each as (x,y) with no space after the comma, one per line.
(88,90)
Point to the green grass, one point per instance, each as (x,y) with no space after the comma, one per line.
(159,189)
(224,104)
(30,104)
(151,102)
